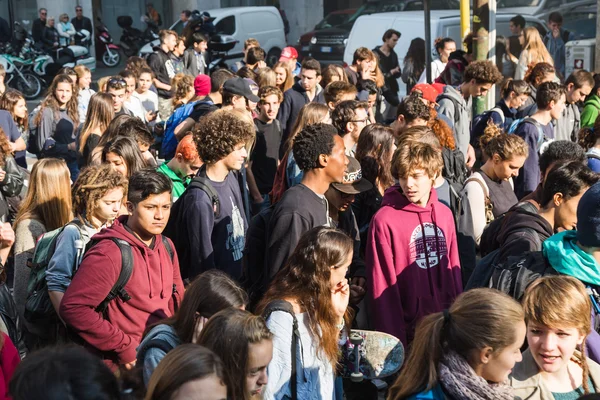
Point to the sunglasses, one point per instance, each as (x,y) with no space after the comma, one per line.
(116,82)
(43,13)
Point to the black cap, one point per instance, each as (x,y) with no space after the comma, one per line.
(241,87)
(353,183)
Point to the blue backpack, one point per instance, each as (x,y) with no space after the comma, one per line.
(481,122)
(541,136)
(169,142)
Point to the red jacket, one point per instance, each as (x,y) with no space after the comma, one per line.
(410,274)
(9,359)
(150,288)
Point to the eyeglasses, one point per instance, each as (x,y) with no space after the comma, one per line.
(78,10)
(44,13)
(116,83)
(364,121)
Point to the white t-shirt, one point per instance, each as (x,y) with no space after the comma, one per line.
(437,67)
(148,99)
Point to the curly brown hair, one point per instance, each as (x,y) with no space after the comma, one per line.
(495,141)
(51,101)
(4,147)
(8,101)
(483,72)
(91,185)
(217,134)
(182,86)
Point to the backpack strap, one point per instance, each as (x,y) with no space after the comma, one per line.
(453,100)
(488,202)
(118,289)
(592,156)
(541,135)
(499,111)
(171,252)
(202,182)
(284,306)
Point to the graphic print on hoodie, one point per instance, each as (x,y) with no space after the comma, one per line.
(413,267)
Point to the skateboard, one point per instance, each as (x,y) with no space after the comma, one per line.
(371,355)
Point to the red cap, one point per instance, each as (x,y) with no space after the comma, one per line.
(202,85)
(429,92)
(288,53)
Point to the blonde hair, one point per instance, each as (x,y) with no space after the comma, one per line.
(99,114)
(477,319)
(266,77)
(289,78)
(412,155)
(507,146)
(48,199)
(536,50)
(558,302)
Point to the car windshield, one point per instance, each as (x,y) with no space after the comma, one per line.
(518,3)
(581,24)
(402,5)
(332,20)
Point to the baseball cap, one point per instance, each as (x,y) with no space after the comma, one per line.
(241,87)
(202,85)
(353,182)
(429,93)
(288,53)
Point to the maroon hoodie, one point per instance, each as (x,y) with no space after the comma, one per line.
(410,275)
(150,288)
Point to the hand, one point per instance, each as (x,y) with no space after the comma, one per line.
(129,366)
(340,295)
(150,116)
(261,64)
(72,146)
(2,175)
(470,161)
(257,199)
(12,146)
(7,235)
(200,323)
(556,33)
(395,71)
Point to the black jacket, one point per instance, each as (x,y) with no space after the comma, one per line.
(11,186)
(37,29)
(49,37)
(160,63)
(83,23)
(386,64)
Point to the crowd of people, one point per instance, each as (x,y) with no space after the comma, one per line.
(210,234)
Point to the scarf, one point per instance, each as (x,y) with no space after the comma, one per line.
(460,381)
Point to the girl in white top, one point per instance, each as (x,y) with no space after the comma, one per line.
(133,104)
(84,79)
(444,47)
(148,98)
(534,51)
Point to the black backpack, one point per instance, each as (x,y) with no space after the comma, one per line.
(517,273)
(565,37)
(282,305)
(455,172)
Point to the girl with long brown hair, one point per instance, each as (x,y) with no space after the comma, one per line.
(534,51)
(245,345)
(558,315)
(13,101)
(464,352)
(100,112)
(57,120)
(314,282)
(283,77)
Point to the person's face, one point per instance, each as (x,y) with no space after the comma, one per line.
(517,101)
(361,119)
(63,93)
(280,76)
(448,49)
(189,168)
(183,17)
(500,364)
(43,15)
(117,163)
(479,89)
(130,87)
(239,103)
(336,161)
(171,42)
(109,205)
(339,200)
(79,12)
(514,29)
(85,81)
(145,81)
(236,158)
(200,47)
(558,108)
(565,214)
(507,169)
(207,388)
(151,215)
(179,48)
(259,357)
(51,23)
(338,275)
(371,100)
(20,109)
(65,18)
(554,26)
(118,96)
(309,79)
(392,41)
(269,107)
(574,95)
(417,186)
(552,348)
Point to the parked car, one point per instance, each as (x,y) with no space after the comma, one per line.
(581,21)
(332,20)
(328,45)
(262,23)
(540,8)
(369,29)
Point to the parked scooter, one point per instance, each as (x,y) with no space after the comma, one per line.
(111,56)
(74,55)
(132,39)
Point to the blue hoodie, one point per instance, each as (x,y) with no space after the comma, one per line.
(149,354)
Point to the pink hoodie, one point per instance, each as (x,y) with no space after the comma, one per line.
(410,275)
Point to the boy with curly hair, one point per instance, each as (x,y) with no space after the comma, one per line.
(455,102)
(209,230)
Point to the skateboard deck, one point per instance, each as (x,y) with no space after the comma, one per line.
(380,355)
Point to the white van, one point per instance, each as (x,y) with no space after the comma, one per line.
(262,23)
(369,29)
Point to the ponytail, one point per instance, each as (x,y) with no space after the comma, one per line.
(495,141)
(518,86)
(588,136)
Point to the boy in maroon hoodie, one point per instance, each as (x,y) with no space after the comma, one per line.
(412,256)
(154,286)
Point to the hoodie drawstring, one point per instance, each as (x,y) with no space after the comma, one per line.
(437,242)
(426,250)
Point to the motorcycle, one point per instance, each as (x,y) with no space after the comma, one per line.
(19,74)
(111,56)
(73,55)
(132,39)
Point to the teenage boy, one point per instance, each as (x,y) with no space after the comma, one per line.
(255,58)
(555,40)
(306,90)
(248,44)
(131,103)
(428,95)
(236,93)
(515,41)
(578,86)
(117,88)
(349,118)
(148,98)
(389,64)
(537,130)
(183,167)
(319,153)
(209,231)
(363,66)
(154,289)
(162,65)
(412,253)
(412,111)
(338,91)
(455,102)
(194,59)
(264,159)
(177,57)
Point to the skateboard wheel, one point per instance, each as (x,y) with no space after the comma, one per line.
(356,377)
(356,339)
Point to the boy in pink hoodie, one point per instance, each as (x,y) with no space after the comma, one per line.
(412,256)
(155,286)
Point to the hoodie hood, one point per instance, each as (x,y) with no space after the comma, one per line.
(453,92)
(593,100)
(394,197)
(162,332)
(519,220)
(566,257)
(300,89)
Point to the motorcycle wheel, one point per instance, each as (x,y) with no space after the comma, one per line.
(31,87)
(111,59)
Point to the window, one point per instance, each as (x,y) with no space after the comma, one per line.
(226,26)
